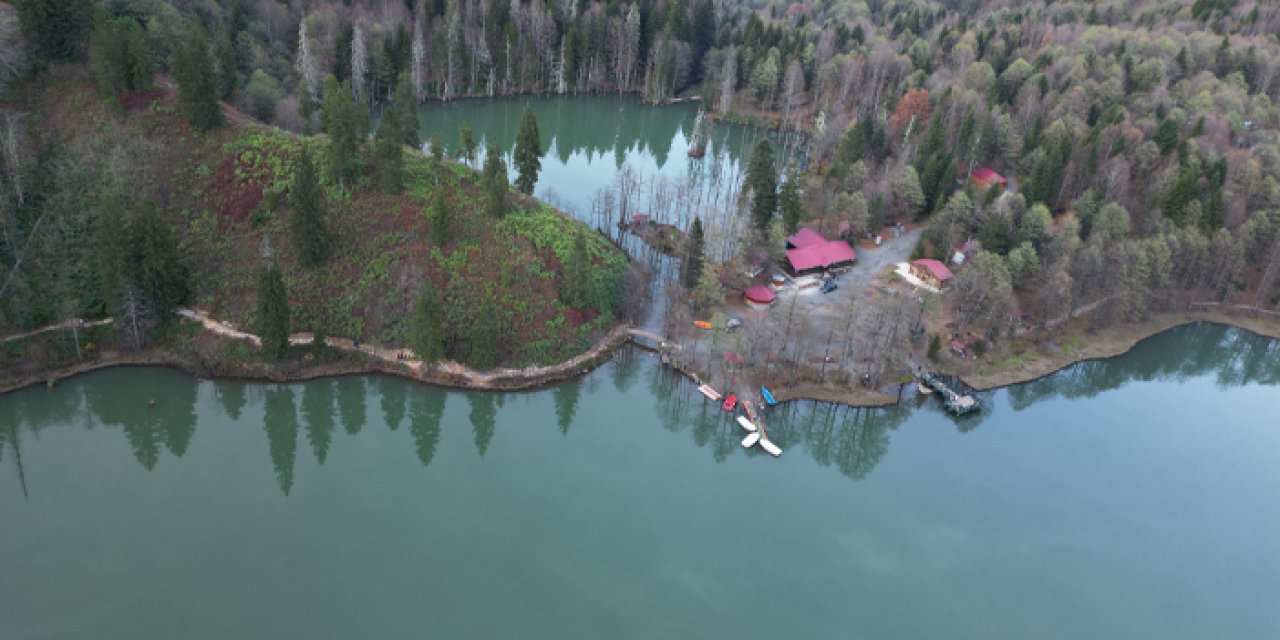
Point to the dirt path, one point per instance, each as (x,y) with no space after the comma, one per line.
(65,324)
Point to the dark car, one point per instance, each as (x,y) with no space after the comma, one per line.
(829,286)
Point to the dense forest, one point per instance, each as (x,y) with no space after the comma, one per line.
(1138,136)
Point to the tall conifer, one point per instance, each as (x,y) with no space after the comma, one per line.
(528,153)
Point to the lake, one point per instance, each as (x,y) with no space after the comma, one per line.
(1130,498)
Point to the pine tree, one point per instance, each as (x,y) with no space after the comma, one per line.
(406,111)
(339,116)
(111,241)
(439,218)
(311,240)
(693,260)
(197,83)
(156,265)
(426,326)
(577,274)
(762,179)
(466,145)
(485,336)
(495,182)
(273,312)
(55,29)
(789,202)
(528,153)
(120,57)
(387,156)
(1166,136)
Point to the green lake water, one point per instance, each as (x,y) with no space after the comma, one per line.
(588,138)
(1129,498)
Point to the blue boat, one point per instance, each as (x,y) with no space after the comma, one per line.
(768,397)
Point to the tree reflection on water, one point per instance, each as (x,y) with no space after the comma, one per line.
(853,440)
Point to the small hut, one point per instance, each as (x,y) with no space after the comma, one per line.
(758,296)
(931,272)
(986,178)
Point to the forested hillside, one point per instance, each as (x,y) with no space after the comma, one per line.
(1139,137)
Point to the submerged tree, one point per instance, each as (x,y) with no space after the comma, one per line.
(528,153)
(310,238)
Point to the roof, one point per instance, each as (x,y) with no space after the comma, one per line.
(935,268)
(988,176)
(639,218)
(805,237)
(759,293)
(821,255)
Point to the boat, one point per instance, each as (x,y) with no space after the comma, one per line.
(751,439)
(702,324)
(730,402)
(768,397)
(746,424)
(770,447)
(750,408)
(707,391)
(923,389)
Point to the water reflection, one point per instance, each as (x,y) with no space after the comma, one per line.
(853,441)
(317,413)
(280,419)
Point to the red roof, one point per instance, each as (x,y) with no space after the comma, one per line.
(821,255)
(759,293)
(987,176)
(937,269)
(806,237)
(639,218)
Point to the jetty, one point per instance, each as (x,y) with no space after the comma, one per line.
(954,402)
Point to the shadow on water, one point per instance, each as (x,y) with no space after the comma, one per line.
(852,440)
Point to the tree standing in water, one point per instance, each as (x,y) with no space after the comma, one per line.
(528,154)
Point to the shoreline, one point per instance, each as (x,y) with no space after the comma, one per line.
(1111,342)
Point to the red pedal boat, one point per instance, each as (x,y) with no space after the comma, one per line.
(730,402)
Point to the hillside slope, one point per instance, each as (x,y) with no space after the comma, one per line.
(226,196)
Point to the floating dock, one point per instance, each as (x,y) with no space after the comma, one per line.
(954,402)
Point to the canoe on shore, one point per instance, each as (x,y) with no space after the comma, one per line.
(768,397)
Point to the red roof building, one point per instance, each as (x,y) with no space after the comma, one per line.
(985,177)
(758,296)
(830,253)
(805,237)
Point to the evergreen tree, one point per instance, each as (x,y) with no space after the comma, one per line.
(1166,136)
(763,183)
(387,155)
(405,109)
(466,145)
(485,336)
(111,241)
(156,264)
(197,84)
(228,64)
(310,238)
(577,274)
(528,153)
(339,116)
(426,326)
(439,218)
(789,202)
(853,145)
(693,259)
(495,182)
(273,312)
(120,57)
(55,29)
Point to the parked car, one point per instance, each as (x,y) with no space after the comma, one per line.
(829,286)
(733,323)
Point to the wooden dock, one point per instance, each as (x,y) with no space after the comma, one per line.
(954,402)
